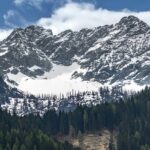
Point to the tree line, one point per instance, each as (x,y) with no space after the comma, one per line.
(130,118)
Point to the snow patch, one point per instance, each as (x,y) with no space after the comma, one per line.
(17,77)
(4,51)
(58,81)
(60,85)
(33,68)
(131,86)
(59,70)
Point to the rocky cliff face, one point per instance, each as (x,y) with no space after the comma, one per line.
(108,55)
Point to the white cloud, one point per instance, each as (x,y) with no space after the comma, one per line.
(18,2)
(4,33)
(76,16)
(34,3)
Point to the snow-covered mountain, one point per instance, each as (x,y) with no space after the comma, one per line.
(38,62)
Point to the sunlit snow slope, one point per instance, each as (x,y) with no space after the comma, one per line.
(58,81)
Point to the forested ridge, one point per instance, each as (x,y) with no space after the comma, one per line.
(130,118)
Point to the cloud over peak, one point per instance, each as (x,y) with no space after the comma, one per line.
(76,16)
(4,33)
(71,15)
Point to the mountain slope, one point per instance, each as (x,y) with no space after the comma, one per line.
(114,55)
(7,93)
(67,69)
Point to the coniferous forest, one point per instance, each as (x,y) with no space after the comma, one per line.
(130,118)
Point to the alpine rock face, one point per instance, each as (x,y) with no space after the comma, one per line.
(35,61)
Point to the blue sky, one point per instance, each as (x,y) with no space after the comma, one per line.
(21,12)
(68,14)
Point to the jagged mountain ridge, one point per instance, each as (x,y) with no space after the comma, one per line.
(109,53)
(19,52)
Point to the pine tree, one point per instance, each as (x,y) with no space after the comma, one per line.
(23,147)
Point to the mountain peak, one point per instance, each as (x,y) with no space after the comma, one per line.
(132,25)
(39,29)
(31,32)
(131,19)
